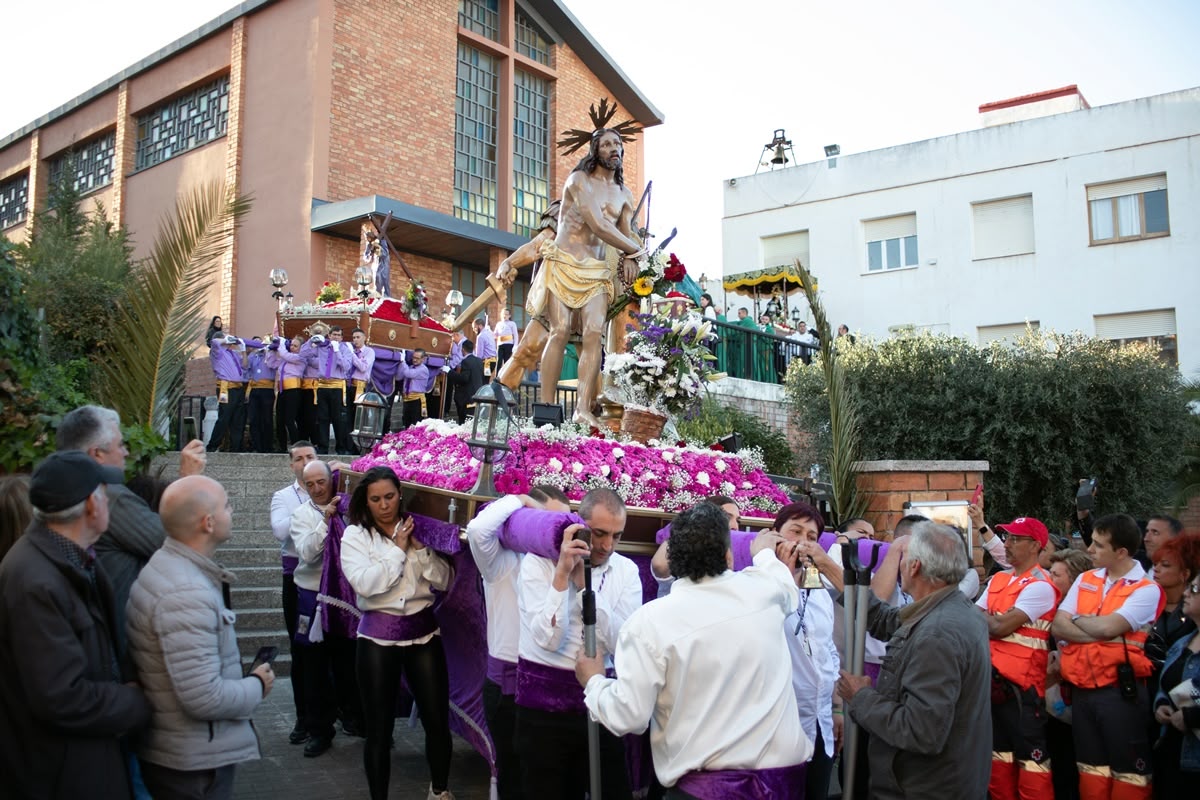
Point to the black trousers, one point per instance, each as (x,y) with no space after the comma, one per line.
(553,749)
(331,685)
(1110,731)
(816,777)
(231,419)
(262,418)
(329,410)
(500,711)
(166,783)
(290,603)
(308,415)
(288,416)
(503,353)
(412,412)
(380,668)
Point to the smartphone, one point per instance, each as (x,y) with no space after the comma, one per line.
(189,429)
(266,655)
(583,535)
(1085,498)
(975,498)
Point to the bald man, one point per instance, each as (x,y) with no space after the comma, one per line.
(182,641)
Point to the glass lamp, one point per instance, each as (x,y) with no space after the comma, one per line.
(369,415)
(490,432)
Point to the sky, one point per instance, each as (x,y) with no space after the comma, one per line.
(864,74)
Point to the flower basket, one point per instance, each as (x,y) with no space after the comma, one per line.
(642,424)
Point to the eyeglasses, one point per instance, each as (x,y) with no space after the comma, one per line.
(1193,588)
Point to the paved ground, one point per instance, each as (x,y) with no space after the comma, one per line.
(284,772)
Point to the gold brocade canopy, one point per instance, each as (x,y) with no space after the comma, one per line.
(769,281)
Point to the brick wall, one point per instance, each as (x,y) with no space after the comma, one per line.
(888,485)
(392,101)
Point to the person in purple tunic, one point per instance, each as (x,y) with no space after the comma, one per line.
(395,576)
(285,358)
(227,354)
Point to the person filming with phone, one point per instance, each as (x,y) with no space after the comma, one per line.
(182,639)
(395,576)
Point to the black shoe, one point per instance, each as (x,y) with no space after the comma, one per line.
(351,728)
(317,745)
(298,734)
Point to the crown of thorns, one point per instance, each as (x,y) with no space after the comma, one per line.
(576,138)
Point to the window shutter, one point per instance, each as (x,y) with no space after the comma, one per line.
(890,227)
(1136,325)
(1003,227)
(1010,333)
(784,249)
(1103,191)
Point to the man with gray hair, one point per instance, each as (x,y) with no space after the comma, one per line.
(929,715)
(181,636)
(63,700)
(134,531)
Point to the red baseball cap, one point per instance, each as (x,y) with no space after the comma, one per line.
(1027,526)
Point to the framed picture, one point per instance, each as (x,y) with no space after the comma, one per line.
(948,512)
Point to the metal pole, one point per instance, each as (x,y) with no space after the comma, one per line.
(850,605)
(589,648)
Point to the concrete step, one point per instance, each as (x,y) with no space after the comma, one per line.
(249,642)
(232,556)
(255,597)
(259,619)
(258,577)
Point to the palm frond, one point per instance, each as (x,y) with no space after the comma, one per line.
(843,410)
(156,328)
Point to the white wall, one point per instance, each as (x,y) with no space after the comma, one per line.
(1062,284)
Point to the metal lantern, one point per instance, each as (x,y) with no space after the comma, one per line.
(490,432)
(279,279)
(454,299)
(369,414)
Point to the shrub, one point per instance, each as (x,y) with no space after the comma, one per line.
(1044,413)
(713,421)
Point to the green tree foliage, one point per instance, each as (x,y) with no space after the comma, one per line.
(34,392)
(715,420)
(76,269)
(1044,413)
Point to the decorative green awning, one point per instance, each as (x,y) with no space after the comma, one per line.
(766,281)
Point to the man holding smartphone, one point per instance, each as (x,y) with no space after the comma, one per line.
(181,636)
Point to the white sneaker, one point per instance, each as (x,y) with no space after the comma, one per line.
(438,795)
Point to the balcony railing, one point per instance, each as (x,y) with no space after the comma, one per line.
(755,355)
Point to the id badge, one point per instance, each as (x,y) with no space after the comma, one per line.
(303,623)
(223,397)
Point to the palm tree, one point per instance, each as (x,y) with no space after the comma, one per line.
(156,327)
(843,410)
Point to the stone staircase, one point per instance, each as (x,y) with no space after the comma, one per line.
(252,554)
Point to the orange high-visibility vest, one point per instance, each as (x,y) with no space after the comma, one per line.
(1022,655)
(1094,665)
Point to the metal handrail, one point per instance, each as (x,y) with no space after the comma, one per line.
(755,355)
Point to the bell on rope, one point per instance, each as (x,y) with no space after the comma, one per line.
(812,577)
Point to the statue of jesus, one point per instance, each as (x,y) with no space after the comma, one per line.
(578,277)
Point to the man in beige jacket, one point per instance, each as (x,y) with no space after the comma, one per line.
(181,637)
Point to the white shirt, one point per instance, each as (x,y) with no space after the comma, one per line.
(283,503)
(308,531)
(1035,599)
(500,569)
(1139,609)
(386,578)
(552,621)
(813,675)
(707,668)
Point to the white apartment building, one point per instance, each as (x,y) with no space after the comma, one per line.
(1053,213)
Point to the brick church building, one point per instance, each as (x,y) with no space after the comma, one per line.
(443,113)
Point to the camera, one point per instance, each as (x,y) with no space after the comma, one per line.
(1085,498)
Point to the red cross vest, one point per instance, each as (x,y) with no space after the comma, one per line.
(1021,656)
(1091,666)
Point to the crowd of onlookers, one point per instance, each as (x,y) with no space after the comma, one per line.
(1075,675)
